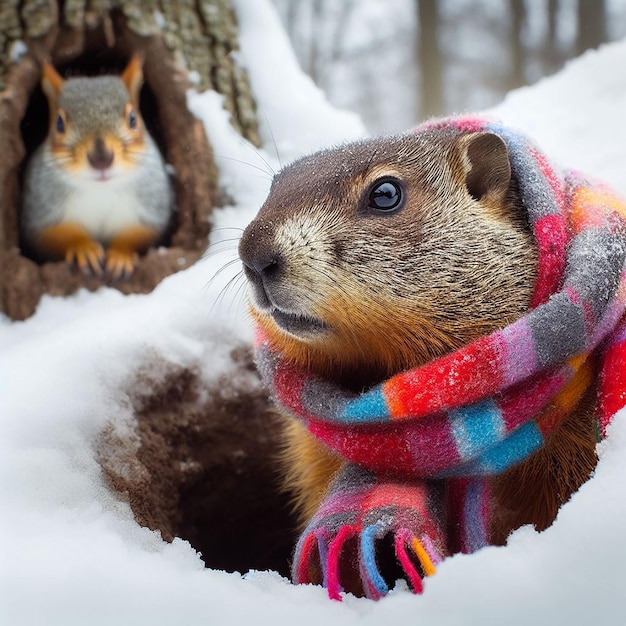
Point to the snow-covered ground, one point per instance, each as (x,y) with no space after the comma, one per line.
(71,552)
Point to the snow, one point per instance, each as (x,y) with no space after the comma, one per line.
(71,552)
(577,114)
(18,50)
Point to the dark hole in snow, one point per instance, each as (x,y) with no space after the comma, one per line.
(206,468)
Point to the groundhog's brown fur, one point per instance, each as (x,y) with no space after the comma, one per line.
(388,292)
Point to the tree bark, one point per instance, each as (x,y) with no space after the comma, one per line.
(553,10)
(429,60)
(591,24)
(552,56)
(177,40)
(518,19)
(315,49)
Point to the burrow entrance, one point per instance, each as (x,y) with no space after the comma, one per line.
(202,465)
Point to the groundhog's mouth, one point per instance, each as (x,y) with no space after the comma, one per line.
(299,325)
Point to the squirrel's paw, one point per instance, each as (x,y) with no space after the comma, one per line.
(88,255)
(120,263)
(342,546)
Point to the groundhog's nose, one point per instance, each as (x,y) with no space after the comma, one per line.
(262,262)
(265,266)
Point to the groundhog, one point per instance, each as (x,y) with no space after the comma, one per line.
(390,254)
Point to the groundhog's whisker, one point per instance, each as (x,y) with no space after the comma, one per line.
(324,262)
(269,126)
(231,281)
(214,230)
(268,175)
(239,277)
(250,147)
(238,296)
(220,271)
(319,271)
(213,249)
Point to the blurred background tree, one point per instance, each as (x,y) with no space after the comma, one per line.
(441,56)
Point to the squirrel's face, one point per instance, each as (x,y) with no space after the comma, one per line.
(96,131)
(377,256)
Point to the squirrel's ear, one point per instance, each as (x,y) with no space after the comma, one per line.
(486,158)
(51,81)
(132,76)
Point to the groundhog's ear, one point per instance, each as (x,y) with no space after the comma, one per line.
(487,160)
(51,81)
(132,76)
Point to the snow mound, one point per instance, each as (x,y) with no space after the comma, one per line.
(71,552)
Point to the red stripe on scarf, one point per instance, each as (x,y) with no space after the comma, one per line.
(612,384)
(551,238)
(391,449)
(463,377)
(289,382)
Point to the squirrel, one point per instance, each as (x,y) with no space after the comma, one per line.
(96,192)
(353,290)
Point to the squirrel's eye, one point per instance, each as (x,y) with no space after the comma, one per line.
(132,119)
(386,196)
(60,124)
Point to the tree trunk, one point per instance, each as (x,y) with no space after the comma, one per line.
(552,56)
(518,19)
(429,60)
(89,37)
(315,49)
(339,36)
(591,24)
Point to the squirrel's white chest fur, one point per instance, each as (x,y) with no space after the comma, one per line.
(103,208)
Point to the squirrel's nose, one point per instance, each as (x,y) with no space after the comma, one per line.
(100,157)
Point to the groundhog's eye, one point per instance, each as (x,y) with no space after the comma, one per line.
(386,195)
(60,124)
(132,119)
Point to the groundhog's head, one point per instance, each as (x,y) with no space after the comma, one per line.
(380,255)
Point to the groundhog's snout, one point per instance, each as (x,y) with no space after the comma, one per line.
(269,268)
(262,262)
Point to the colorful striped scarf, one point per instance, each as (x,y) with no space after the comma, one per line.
(489,405)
